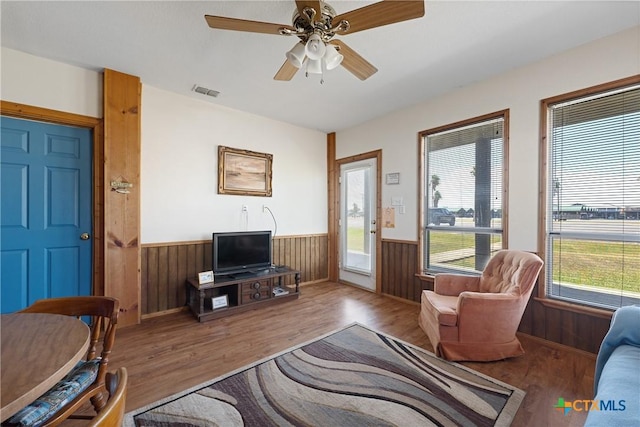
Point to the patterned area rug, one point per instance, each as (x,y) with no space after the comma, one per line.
(353,377)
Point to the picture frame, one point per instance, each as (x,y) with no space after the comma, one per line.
(392,178)
(205,277)
(244,172)
(219,302)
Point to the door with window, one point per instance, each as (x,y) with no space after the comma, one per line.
(358,207)
(45,218)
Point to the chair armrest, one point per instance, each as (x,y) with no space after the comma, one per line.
(454,284)
(488,317)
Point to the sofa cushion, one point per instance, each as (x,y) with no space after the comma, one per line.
(618,390)
(44,407)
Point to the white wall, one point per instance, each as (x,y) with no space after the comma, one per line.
(179,165)
(180,138)
(32,80)
(520,91)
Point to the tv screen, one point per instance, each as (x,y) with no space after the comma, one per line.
(235,252)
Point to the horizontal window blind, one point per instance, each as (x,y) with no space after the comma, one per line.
(463,178)
(593,200)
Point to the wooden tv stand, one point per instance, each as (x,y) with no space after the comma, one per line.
(244,291)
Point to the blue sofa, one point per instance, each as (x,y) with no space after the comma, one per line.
(617,376)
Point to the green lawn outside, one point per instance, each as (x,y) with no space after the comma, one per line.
(580,262)
(598,264)
(355,239)
(444,242)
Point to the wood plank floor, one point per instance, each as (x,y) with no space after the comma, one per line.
(170,353)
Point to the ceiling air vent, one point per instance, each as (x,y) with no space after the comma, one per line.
(205,91)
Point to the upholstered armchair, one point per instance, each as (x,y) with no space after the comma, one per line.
(476,317)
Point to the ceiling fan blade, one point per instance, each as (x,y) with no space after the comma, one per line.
(286,72)
(353,62)
(313,4)
(223,23)
(382,13)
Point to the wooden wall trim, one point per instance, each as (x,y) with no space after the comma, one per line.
(405,242)
(576,308)
(293,236)
(420,191)
(197,242)
(165,244)
(30,112)
(122,103)
(333,196)
(505,178)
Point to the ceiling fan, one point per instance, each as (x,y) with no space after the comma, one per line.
(316,23)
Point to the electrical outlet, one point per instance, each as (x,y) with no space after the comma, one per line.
(264,208)
(245,208)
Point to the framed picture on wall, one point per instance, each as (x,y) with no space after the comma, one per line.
(393,178)
(244,172)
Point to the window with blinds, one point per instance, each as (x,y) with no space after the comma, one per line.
(593,199)
(463,203)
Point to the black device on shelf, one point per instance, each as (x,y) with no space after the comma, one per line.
(241,252)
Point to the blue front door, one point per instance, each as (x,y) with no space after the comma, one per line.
(45,212)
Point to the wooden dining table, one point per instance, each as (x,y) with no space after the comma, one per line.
(37,350)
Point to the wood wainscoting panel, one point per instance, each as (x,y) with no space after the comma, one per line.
(399,270)
(580,330)
(166,266)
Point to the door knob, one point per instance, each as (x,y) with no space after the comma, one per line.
(84,236)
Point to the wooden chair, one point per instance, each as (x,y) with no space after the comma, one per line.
(86,382)
(113,413)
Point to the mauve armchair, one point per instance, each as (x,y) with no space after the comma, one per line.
(475,318)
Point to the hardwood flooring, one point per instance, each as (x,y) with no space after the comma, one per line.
(170,353)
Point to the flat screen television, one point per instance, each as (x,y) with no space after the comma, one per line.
(241,251)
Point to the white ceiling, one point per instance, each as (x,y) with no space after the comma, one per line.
(169,46)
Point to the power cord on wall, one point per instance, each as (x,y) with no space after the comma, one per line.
(275,223)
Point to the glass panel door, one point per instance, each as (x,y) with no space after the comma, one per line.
(358,223)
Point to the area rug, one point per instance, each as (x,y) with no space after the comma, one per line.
(352,377)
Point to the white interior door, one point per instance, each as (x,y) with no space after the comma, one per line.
(358,223)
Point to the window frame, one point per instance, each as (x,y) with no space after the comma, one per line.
(422,135)
(545,106)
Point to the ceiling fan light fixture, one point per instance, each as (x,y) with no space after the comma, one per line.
(332,58)
(314,66)
(296,55)
(315,47)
